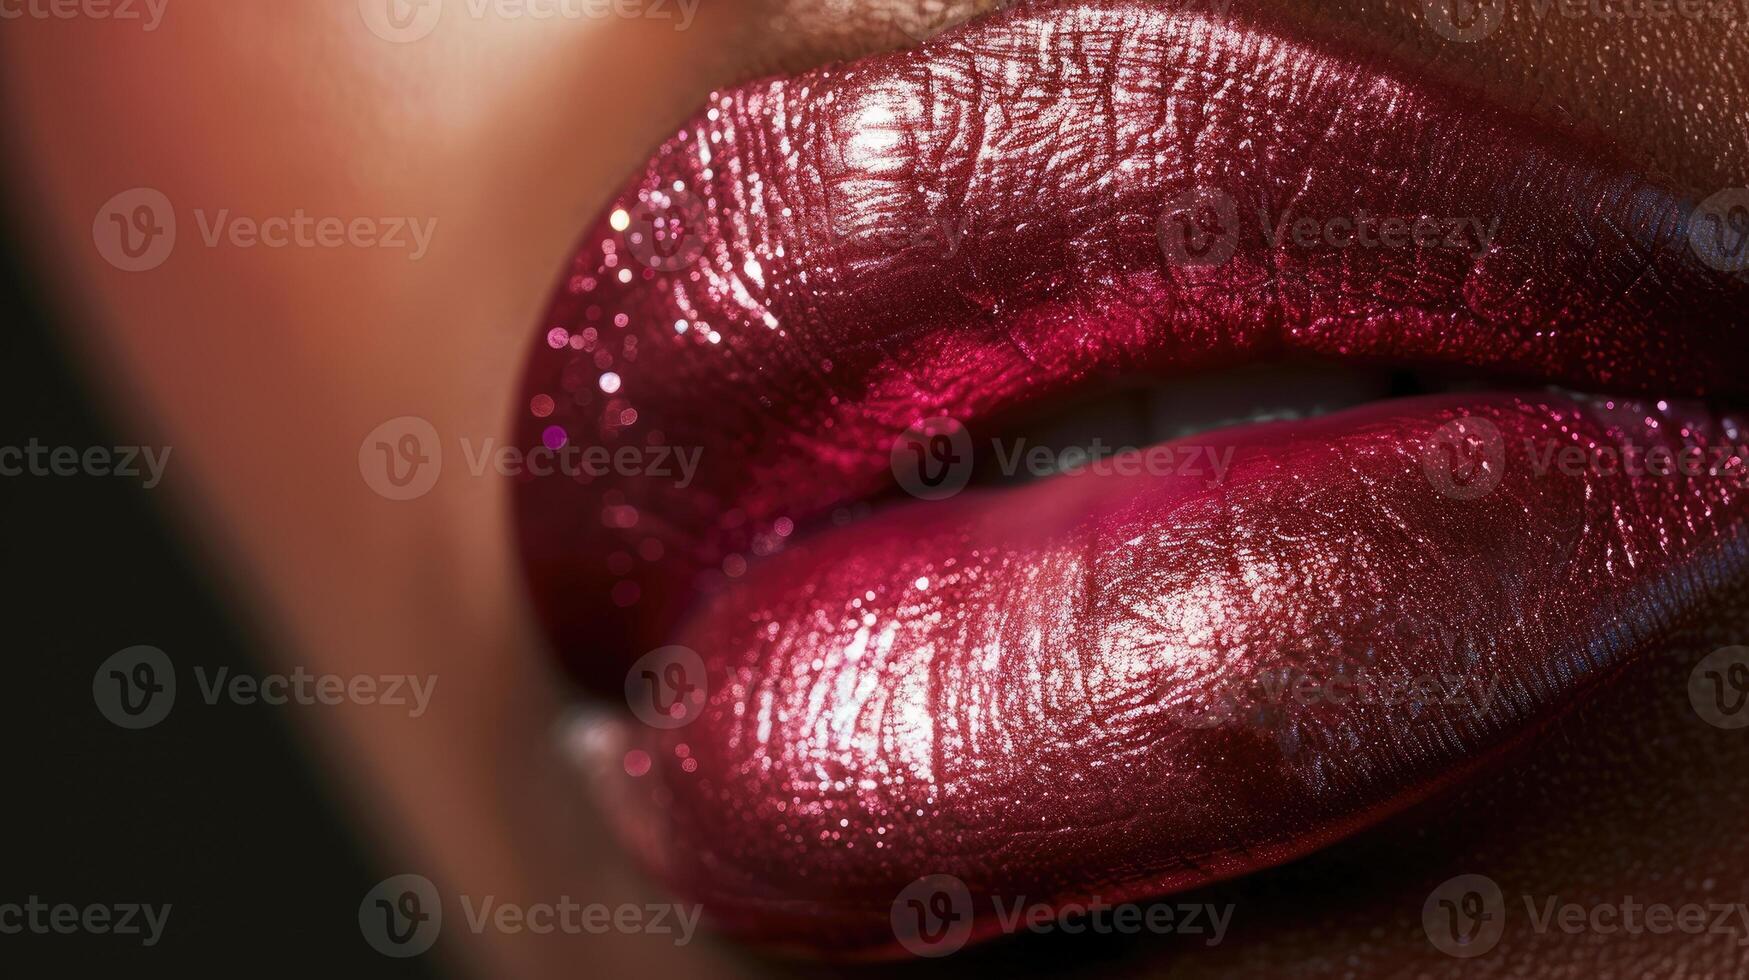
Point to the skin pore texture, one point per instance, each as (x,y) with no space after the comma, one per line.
(265,368)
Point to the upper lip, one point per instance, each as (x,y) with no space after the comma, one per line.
(975,226)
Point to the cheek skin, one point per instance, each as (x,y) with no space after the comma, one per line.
(265,368)
(1668,89)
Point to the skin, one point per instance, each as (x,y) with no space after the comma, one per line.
(266,367)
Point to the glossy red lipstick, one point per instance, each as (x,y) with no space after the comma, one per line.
(1124,686)
(1044,203)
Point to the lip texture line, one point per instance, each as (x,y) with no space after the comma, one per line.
(983,225)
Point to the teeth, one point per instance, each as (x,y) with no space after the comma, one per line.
(1136,417)
(1259,394)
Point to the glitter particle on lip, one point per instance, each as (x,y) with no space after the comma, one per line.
(619,220)
(554,437)
(637,762)
(541,406)
(610,382)
(558,337)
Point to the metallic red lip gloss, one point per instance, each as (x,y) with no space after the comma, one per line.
(1013,686)
(1123,686)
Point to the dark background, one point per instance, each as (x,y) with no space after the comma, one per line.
(220,810)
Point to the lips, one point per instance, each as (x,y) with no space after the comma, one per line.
(1075,687)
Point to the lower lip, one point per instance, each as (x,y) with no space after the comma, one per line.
(1062,690)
